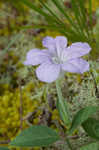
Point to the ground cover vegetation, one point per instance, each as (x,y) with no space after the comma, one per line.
(26,101)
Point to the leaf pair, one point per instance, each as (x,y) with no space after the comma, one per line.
(44,136)
(90,125)
(82,116)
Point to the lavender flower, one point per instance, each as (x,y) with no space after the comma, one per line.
(58,58)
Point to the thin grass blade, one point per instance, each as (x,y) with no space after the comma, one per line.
(61,9)
(90,15)
(84,19)
(39,10)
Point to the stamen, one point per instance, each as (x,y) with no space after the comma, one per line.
(56,60)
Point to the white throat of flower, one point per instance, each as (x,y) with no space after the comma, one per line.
(59,58)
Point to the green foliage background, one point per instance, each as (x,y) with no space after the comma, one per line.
(38,99)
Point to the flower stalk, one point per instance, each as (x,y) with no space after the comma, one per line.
(69,144)
(63,110)
(62,106)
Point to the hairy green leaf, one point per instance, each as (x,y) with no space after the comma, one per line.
(82,116)
(35,136)
(91,126)
(91,146)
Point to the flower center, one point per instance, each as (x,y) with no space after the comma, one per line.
(56,60)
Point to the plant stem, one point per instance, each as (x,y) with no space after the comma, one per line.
(63,110)
(69,144)
(62,106)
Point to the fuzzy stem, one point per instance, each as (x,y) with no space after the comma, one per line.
(69,144)
(62,105)
(63,110)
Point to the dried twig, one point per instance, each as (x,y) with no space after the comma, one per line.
(5,142)
(21,103)
(21,107)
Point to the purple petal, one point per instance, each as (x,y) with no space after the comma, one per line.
(55,46)
(77,50)
(77,65)
(61,43)
(49,43)
(48,72)
(36,56)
